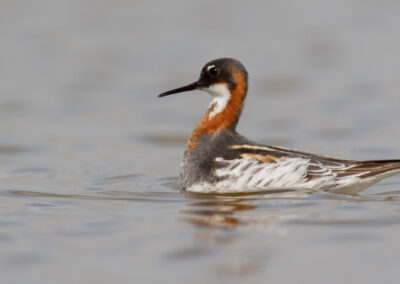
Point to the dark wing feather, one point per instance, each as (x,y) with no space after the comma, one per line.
(319,165)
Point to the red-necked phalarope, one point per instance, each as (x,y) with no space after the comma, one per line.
(218,159)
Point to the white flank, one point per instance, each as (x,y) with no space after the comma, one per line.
(241,175)
(221,95)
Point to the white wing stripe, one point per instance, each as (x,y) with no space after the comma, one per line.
(290,172)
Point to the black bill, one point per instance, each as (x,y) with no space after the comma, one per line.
(189,87)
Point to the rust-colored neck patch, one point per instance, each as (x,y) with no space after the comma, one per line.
(225,119)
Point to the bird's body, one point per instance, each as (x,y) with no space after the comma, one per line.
(218,159)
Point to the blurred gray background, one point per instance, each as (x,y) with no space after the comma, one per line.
(89,156)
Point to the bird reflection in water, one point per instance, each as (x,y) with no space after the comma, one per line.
(233,210)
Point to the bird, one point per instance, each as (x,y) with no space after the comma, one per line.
(220,160)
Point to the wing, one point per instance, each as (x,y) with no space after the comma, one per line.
(259,167)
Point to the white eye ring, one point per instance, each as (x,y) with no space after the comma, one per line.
(209,67)
(212,70)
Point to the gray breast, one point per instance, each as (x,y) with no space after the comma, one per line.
(199,165)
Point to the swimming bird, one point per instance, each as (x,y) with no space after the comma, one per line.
(220,160)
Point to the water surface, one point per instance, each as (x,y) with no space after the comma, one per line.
(89,157)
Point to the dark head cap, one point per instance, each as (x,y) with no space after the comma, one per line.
(217,71)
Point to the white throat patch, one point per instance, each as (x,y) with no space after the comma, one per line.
(221,95)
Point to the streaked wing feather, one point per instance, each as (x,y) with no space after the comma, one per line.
(318,165)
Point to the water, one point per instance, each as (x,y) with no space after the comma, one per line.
(89,156)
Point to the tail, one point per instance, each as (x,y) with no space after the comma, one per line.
(374,168)
(368,173)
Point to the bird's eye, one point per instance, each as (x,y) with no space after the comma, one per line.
(213,71)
